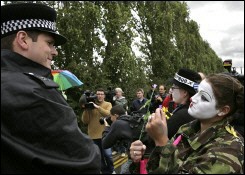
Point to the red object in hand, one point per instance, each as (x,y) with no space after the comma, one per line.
(143,164)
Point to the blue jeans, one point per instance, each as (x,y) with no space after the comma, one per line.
(107,166)
(109,161)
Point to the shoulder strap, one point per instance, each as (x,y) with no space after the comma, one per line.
(45,81)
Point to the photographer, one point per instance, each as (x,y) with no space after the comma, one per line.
(91,117)
(123,130)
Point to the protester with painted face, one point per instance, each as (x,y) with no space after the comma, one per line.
(185,83)
(207,145)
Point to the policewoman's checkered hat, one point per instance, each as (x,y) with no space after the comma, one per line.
(31,17)
(187,79)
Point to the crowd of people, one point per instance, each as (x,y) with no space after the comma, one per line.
(40,133)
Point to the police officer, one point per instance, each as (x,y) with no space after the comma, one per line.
(39,130)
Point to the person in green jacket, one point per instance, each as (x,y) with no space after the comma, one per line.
(207,145)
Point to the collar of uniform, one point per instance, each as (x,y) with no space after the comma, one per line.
(15,62)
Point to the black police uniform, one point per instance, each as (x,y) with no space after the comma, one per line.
(39,130)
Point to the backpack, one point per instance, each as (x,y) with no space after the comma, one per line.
(136,123)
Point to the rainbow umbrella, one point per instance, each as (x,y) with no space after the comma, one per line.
(65,79)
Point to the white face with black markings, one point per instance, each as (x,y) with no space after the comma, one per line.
(203,103)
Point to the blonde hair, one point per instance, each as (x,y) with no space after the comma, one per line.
(118,90)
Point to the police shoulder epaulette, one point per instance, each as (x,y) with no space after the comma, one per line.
(46,81)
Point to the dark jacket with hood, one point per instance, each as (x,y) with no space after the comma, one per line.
(124,131)
(180,117)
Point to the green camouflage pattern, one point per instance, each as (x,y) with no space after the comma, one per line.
(214,151)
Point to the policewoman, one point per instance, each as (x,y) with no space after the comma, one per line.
(39,130)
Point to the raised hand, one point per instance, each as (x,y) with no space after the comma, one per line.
(157,127)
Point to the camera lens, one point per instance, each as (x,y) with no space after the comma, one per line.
(102,120)
(108,120)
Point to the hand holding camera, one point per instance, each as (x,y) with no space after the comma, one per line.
(86,99)
(94,105)
(105,122)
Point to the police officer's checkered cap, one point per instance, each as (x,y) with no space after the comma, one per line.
(29,16)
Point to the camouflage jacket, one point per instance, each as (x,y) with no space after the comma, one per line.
(217,150)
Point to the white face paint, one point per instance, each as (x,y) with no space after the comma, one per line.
(203,103)
(176,94)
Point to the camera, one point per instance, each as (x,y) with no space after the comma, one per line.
(108,120)
(86,98)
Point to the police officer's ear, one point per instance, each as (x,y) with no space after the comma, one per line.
(21,40)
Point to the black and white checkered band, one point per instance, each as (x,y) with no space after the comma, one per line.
(186,81)
(14,25)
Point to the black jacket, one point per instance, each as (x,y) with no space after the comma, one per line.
(238,122)
(123,131)
(39,130)
(180,116)
(137,104)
